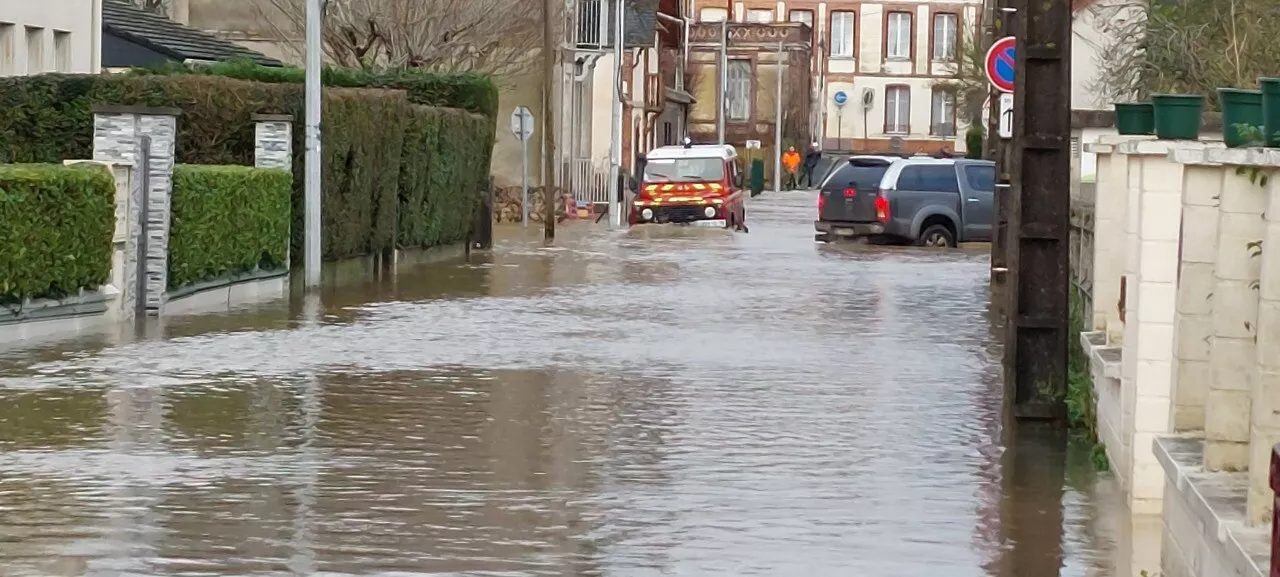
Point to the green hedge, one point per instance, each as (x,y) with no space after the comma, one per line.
(227,220)
(48,118)
(56,228)
(468,91)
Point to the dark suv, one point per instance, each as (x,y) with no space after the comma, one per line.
(926,201)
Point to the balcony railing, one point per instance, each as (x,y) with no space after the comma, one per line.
(592,30)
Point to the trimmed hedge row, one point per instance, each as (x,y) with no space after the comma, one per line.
(56,226)
(468,91)
(227,220)
(48,118)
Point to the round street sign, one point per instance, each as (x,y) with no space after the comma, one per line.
(840,98)
(999,63)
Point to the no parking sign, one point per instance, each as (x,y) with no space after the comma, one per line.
(1000,63)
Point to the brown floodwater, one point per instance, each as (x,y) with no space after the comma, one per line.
(663,402)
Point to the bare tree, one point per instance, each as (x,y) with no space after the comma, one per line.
(1184,46)
(968,78)
(498,37)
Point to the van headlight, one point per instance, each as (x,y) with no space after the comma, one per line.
(710,211)
(646,214)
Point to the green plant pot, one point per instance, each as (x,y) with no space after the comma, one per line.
(1270,88)
(1134,118)
(1241,109)
(1177,116)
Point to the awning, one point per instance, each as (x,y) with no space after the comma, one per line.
(680,96)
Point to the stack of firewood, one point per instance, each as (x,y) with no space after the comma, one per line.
(506,204)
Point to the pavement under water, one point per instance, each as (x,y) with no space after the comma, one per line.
(662,401)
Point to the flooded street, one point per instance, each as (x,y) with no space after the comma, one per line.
(676,402)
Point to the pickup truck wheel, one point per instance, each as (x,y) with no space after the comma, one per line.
(937,236)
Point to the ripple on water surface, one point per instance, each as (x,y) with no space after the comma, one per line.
(652,403)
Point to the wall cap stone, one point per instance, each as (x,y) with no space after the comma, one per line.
(1099,148)
(109,164)
(1162,147)
(271,118)
(1259,157)
(147,110)
(1216,499)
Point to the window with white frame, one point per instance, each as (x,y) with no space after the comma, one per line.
(898,36)
(945,28)
(8,51)
(760,16)
(35,50)
(713,15)
(738,92)
(842,34)
(897,110)
(61,51)
(805,16)
(943,116)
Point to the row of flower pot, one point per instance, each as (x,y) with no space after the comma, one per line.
(1249,117)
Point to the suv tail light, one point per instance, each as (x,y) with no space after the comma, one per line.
(850,192)
(882,208)
(821,201)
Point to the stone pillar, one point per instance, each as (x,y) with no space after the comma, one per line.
(1265,432)
(1148,350)
(1129,156)
(1232,352)
(273,141)
(1109,237)
(118,133)
(1193,323)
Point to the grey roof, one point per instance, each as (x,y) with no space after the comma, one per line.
(170,38)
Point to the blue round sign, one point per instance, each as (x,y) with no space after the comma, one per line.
(1000,62)
(840,98)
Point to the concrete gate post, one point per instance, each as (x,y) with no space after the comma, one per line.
(1232,351)
(1265,432)
(1193,322)
(118,136)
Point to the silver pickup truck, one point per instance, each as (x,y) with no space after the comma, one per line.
(926,201)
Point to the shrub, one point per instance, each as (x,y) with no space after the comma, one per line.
(227,220)
(56,226)
(49,118)
(973,142)
(466,90)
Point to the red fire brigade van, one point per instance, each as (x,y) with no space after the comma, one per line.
(694,184)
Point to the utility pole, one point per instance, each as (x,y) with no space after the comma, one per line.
(777,130)
(724,77)
(1035,344)
(311,184)
(549,197)
(615,145)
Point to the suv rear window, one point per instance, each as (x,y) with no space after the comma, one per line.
(864,173)
(929,178)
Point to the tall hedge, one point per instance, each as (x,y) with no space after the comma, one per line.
(56,228)
(48,118)
(468,91)
(227,220)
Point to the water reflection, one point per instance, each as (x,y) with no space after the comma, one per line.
(659,402)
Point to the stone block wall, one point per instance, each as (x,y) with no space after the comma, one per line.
(1191,424)
(119,134)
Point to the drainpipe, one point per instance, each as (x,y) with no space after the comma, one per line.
(95,37)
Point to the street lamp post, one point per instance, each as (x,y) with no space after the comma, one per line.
(311,199)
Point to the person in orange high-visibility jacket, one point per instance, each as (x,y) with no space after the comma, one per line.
(791,163)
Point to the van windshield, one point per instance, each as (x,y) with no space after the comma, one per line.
(684,170)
